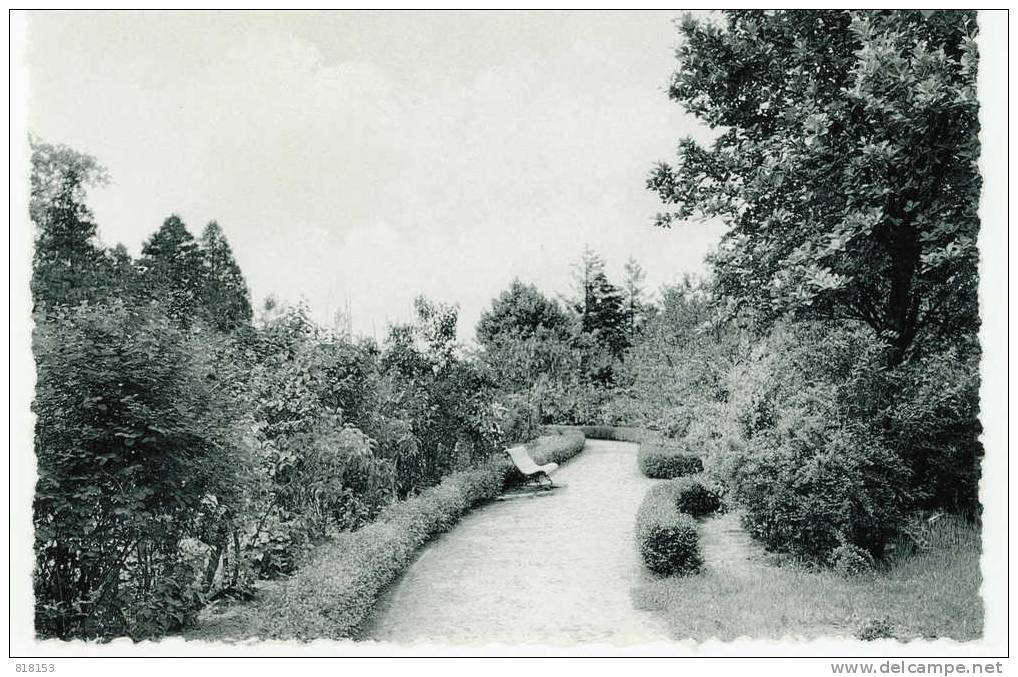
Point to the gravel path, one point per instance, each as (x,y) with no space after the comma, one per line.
(539,568)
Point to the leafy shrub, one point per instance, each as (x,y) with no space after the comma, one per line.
(849,560)
(827,485)
(667,462)
(136,427)
(694,498)
(797,444)
(668,539)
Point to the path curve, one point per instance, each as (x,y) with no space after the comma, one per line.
(541,568)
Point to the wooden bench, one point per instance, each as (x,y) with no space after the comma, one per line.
(541,474)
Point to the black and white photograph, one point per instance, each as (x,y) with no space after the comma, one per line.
(672,332)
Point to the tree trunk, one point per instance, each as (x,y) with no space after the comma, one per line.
(903,299)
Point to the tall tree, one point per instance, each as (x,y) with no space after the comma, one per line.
(846,164)
(600,305)
(172,270)
(225,298)
(68,264)
(635,305)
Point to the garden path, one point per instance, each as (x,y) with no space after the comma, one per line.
(537,568)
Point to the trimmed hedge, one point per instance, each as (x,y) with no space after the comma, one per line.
(557,447)
(694,498)
(668,539)
(665,463)
(614,433)
(332,596)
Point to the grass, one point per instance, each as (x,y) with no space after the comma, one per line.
(919,593)
(334,593)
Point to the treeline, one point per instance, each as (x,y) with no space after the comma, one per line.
(187,448)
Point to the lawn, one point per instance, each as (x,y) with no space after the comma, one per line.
(925,592)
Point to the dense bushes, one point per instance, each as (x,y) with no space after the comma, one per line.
(136,430)
(812,441)
(668,540)
(332,595)
(667,462)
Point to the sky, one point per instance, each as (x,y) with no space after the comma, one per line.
(358,159)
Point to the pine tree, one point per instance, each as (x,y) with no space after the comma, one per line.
(225,299)
(634,303)
(172,270)
(67,264)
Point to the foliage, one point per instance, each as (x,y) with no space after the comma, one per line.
(850,560)
(136,428)
(667,462)
(520,313)
(668,540)
(172,270)
(225,299)
(796,445)
(845,164)
(67,265)
(694,498)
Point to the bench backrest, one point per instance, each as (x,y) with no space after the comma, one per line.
(522,460)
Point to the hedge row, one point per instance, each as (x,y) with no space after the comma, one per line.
(614,433)
(668,539)
(556,447)
(666,462)
(333,594)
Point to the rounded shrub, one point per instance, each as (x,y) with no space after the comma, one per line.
(666,463)
(694,498)
(850,560)
(668,539)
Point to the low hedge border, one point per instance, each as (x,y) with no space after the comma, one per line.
(668,539)
(666,463)
(334,594)
(614,433)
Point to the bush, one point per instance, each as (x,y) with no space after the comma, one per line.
(849,560)
(136,427)
(667,462)
(694,498)
(799,443)
(668,539)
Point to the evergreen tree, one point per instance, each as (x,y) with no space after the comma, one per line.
(68,264)
(636,307)
(172,270)
(225,299)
